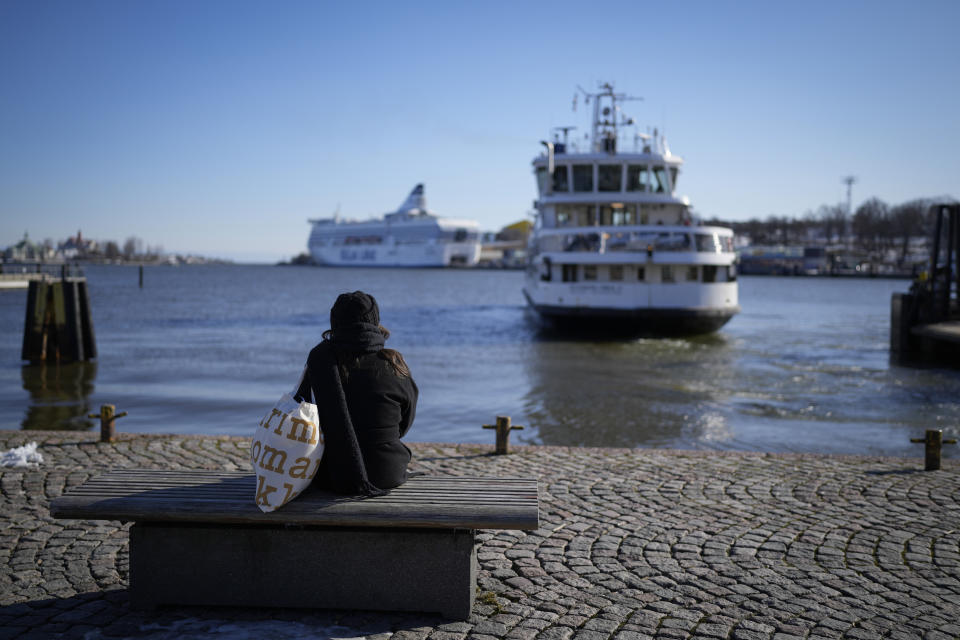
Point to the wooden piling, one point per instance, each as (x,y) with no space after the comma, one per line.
(903,317)
(58,324)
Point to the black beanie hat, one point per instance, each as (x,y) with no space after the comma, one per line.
(354,308)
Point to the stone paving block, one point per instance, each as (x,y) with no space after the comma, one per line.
(633,544)
(631,635)
(556,633)
(587,634)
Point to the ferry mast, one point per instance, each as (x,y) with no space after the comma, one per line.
(604,133)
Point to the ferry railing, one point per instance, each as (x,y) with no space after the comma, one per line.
(585,239)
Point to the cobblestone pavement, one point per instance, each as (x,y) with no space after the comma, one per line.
(633,544)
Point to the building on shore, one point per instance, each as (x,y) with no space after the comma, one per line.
(783,260)
(507,248)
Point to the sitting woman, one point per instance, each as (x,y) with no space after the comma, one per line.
(366,399)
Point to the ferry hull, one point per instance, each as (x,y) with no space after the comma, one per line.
(660,322)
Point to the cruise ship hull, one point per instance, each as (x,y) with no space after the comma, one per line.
(411,236)
(434,255)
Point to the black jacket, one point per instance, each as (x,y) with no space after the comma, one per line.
(382,406)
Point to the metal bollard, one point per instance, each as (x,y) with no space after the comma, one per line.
(934,445)
(107,416)
(503,428)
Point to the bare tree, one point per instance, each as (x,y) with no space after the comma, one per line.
(131,246)
(834,220)
(907,220)
(868,223)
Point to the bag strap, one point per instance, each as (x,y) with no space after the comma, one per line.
(303,391)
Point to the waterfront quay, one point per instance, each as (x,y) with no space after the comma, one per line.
(632,544)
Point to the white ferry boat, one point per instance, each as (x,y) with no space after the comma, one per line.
(613,246)
(411,236)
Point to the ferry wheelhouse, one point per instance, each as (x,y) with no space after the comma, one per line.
(613,244)
(411,236)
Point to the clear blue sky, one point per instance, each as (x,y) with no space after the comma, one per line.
(220,127)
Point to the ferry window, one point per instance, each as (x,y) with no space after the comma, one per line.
(569,273)
(667,241)
(589,272)
(547,274)
(659,182)
(616,272)
(542,181)
(583,177)
(622,214)
(575,215)
(727,242)
(673,177)
(709,273)
(586,215)
(616,242)
(666,273)
(560,180)
(731,273)
(708,242)
(605,215)
(552,243)
(583,242)
(609,177)
(641,273)
(637,177)
(692,274)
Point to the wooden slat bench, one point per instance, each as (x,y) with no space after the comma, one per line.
(198,538)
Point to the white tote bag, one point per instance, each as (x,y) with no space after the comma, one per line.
(286,450)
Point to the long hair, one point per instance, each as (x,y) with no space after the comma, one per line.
(347,359)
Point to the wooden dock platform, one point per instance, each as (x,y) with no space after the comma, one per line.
(925,323)
(19,280)
(948,331)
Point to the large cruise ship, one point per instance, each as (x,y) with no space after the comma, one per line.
(411,236)
(614,245)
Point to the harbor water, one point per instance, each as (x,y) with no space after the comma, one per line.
(208,349)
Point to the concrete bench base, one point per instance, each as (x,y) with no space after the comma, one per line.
(318,567)
(199,539)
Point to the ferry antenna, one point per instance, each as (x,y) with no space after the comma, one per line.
(566,132)
(605,130)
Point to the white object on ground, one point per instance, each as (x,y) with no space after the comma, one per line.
(25,456)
